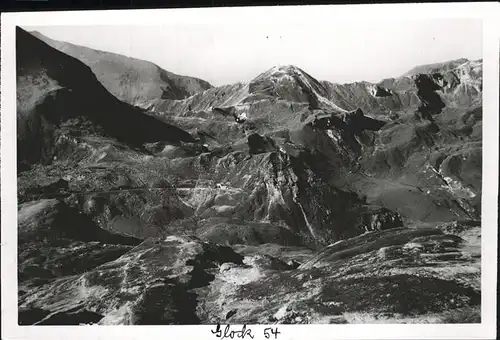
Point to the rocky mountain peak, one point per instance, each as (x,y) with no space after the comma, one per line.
(281,70)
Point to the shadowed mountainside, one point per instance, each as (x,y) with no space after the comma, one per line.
(285,199)
(58,97)
(129,79)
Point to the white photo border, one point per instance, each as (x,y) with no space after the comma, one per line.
(487,12)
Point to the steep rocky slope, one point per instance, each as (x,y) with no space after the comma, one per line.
(285,199)
(129,79)
(59,99)
(459,83)
(436,67)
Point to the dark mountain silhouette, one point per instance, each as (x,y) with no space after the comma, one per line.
(130,80)
(55,90)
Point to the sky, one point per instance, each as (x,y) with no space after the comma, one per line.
(337,51)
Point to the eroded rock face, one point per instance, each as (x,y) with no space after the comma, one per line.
(432,103)
(150,284)
(379,91)
(56,240)
(393,276)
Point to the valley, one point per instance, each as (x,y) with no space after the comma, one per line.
(160,199)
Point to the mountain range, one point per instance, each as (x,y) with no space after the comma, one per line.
(147,197)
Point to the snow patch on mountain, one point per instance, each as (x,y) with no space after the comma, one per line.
(298,79)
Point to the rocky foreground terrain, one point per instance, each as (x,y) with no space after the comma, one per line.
(164,200)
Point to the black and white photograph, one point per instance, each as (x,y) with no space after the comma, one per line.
(238,172)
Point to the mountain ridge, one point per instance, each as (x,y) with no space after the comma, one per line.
(399,93)
(447,65)
(137,79)
(48,97)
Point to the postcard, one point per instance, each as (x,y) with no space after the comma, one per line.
(250,173)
